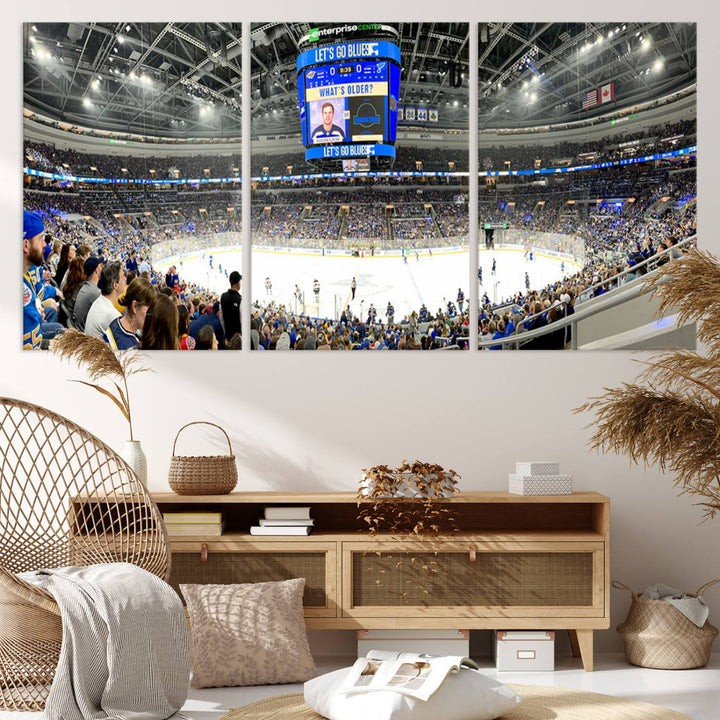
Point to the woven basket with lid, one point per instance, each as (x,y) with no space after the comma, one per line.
(202,474)
(657,635)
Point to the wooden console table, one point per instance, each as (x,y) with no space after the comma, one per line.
(517,562)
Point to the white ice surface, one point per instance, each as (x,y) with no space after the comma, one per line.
(433,280)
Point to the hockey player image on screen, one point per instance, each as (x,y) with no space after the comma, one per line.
(328,131)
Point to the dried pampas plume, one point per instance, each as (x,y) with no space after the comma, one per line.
(101,363)
(670,416)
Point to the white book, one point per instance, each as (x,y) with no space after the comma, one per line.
(287,512)
(285,523)
(537,467)
(276,530)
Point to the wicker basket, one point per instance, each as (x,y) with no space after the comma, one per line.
(658,635)
(202,475)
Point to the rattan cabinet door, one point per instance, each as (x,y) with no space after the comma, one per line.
(231,562)
(473,579)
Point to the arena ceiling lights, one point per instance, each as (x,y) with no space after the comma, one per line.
(151,76)
(187,63)
(561,62)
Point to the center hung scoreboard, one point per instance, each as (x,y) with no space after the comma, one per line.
(348,101)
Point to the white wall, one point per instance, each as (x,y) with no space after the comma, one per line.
(311,422)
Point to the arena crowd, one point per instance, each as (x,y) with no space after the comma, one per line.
(97,243)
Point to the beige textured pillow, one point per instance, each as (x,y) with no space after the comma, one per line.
(250,634)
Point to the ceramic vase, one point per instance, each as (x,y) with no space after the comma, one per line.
(134,456)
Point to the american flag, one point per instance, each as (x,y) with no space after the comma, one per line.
(590,99)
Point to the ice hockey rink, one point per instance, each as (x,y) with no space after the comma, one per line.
(430,278)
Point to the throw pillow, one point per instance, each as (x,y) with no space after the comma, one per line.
(465,695)
(249,634)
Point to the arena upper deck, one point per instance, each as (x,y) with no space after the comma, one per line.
(154,79)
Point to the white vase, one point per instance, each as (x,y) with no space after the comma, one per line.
(132,453)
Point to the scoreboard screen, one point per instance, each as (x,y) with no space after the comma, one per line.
(347,102)
(348,99)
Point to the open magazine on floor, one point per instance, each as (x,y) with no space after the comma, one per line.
(409,673)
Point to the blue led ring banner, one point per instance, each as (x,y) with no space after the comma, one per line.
(692,150)
(343,52)
(349,151)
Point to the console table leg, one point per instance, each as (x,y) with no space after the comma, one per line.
(581,642)
(574,643)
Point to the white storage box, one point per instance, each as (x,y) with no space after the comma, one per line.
(540,484)
(537,467)
(524,650)
(430,642)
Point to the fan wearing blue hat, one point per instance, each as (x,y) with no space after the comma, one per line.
(34,325)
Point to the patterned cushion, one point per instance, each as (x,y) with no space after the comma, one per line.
(250,634)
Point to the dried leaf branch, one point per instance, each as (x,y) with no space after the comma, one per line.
(101,362)
(385,507)
(405,500)
(670,416)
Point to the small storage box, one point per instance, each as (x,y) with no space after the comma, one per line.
(535,467)
(524,650)
(430,642)
(540,484)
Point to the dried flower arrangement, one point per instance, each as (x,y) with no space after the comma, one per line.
(670,415)
(411,479)
(101,362)
(406,503)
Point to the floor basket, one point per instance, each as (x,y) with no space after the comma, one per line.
(202,475)
(657,635)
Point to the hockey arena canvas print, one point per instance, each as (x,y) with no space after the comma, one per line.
(132,157)
(587,181)
(360,232)
(365,230)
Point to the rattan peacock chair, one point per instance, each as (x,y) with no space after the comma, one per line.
(65,499)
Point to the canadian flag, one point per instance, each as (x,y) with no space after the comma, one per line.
(607,93)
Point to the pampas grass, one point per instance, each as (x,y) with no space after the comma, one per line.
(669,416)
(101,363)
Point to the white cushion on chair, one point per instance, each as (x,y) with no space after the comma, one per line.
(465,695)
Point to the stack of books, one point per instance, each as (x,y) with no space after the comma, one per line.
(182,524)
(539,478)
(284,520)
